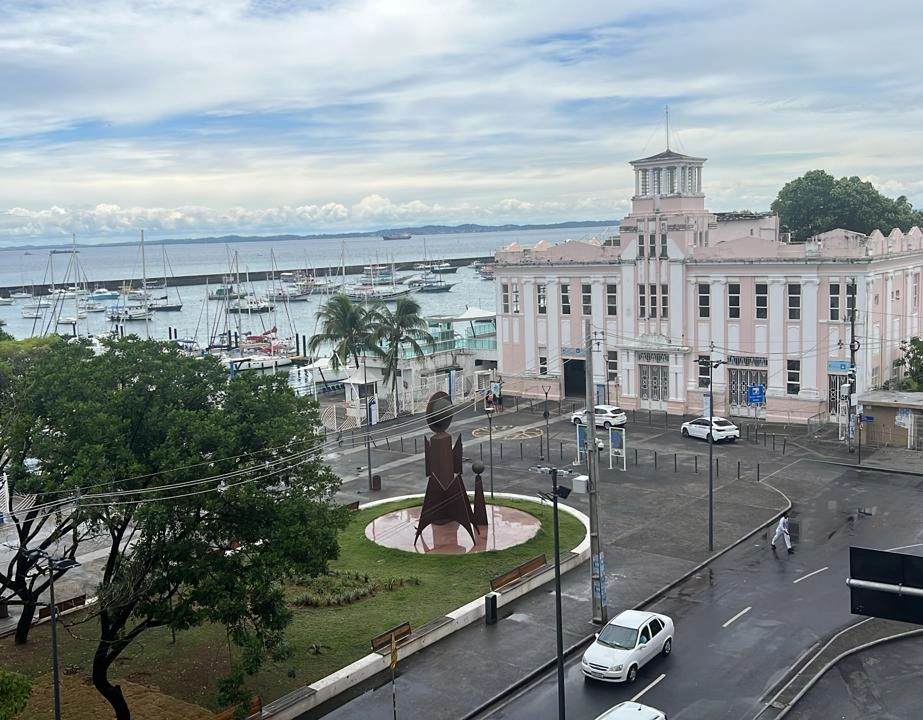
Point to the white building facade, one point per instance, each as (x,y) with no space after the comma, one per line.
(680,283)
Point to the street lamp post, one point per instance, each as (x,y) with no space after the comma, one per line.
(547,453)
(489,411)
(53,565)
(368,421)
(712,364)
(558,492)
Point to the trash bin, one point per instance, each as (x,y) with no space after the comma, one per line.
(4,610)
(490,608)
(376,482)
(579,483)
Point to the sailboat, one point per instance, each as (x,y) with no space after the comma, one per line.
(162,303)
(133,311)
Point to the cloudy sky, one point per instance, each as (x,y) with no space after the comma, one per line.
(199,117)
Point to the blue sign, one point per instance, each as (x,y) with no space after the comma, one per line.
(756,394)
(868,418)
(615,438)
(838,366)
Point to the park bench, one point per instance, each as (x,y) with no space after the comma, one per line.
(62,606)
(353,506)
(519,573)
(382,643)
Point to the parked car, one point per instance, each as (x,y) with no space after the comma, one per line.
(632,711)
(626,644)
(604,416)
(721,429)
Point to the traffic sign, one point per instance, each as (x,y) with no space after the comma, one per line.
(756,394)
(868,418)
(838,366)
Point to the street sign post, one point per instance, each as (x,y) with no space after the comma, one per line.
(756,394)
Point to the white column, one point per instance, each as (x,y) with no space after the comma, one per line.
(811,330)
(553,315)
(529,314)
(776,341)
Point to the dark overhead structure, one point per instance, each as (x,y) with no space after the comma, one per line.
(886,585)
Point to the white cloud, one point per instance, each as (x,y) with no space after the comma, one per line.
(276,116)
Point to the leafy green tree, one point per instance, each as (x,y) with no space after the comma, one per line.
(912,361)
(15,690)
(209,491)
(49,522)
(816,203)
(346,325)
(393,331)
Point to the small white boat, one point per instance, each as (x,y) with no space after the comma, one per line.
(128,313)
(6,301)
(102,293)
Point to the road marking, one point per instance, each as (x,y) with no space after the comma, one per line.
(805,577)
(905,547)
(635,698)
(741,613)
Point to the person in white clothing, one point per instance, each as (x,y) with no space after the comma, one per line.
(782,531)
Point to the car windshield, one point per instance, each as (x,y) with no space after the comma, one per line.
(723,423)
(618,637)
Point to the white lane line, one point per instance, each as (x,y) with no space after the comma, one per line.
(805,577)
(635,698)
(905,547)
(740,614)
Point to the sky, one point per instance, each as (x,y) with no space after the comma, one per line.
(193,118)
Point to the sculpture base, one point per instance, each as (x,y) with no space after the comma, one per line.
(506,528)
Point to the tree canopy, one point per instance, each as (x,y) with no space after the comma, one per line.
(345,325)
(208,491)
(394,330)
(816,203)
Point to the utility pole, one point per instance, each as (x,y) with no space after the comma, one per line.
(851,414)
(597,560)
(547,453)
(368,421)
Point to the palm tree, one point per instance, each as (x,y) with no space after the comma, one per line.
(347,326)
(395,329)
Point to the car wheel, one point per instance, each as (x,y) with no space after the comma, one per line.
(668,647)
(732,439)
(607,424)
(632,674)
(685,432)
(710,438)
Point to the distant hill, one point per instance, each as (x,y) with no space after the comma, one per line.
(420,230)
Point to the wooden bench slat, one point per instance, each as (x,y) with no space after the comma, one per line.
(518,572)
(384,639)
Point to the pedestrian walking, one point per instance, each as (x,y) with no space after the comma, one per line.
(782,531)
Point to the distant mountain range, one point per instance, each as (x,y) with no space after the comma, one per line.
(421,230)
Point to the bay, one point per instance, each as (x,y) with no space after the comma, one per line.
(201,319)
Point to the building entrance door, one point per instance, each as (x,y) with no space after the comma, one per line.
(739,379)
(654,386)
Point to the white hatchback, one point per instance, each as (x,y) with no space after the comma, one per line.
(603,416)
(632,711)
(721,429)
(626,644)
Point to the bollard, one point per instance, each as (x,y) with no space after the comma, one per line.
(666,421)
(717,473)
(674,462)
(649,418)
(561,449)
(402,443)
(414,446)
(765,439)
(636,457)
(520,451)
(757,472)
(773,442)
(696,463)
(784,441)
(388,441)
(748,432)
(738,469)
(481,447)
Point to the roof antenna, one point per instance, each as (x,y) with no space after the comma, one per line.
(667,114)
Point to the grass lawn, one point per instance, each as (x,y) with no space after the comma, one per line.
(322,639)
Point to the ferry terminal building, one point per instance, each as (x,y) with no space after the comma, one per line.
(680,283)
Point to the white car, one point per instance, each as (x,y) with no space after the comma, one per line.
(603,416)
(721,429)
(632,711)
(628,642)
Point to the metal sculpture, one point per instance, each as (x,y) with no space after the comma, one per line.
(446,499)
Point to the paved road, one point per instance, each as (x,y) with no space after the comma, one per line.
(748,617)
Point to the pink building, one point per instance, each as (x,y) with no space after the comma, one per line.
(680,283)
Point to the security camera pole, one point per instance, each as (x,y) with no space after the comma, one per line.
(597,561)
